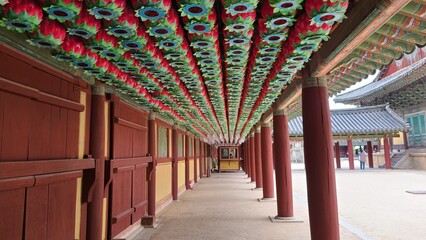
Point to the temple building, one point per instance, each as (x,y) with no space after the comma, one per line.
(110,110)
(402,85)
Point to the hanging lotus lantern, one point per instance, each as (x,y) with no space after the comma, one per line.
(22,15)
(326,11)
(235,7)
(166,27)
(105,9)
(275,19)
(151,10)
(50,34)
(239,23)
(200,25)
(62,10)
(197,10)
(271,35)
(125,26)
(280,7)
(125,61)
(87,61)
(101,67)
(136,42)
(71,49)
(102,42)
(311,33)
(85,25)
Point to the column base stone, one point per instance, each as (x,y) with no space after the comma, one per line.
(277,219)
(149,222)
(267,199)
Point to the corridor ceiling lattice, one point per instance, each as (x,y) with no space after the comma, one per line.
(212,66)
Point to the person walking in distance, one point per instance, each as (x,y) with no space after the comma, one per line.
(362,158)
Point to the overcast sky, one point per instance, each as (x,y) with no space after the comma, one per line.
(363,82)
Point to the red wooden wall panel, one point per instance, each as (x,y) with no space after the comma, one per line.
(16,128)
(34,130)
(128,189)
(61,210)
(12,204)
(36,212)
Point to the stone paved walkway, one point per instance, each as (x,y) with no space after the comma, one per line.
(225,207)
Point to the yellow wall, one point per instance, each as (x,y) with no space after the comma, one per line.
(104,218)
(164,181)
(191,169)
(229,165)
(198,168)
(399,140)
(181,173)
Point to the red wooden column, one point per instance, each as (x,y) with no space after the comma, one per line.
(351,154)
(175,163)
(152,169)
(370,154)
(252,158)
(337,153)
(97,149)
(200,156)
(248,157)
(243,156)
(206,164)
(283,166)
(404,135)
(320,173)
(195,160)
(209,160)
(387,152)
(267,162)
(258,158)
(187,183)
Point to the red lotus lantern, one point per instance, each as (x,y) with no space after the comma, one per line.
(105,9)
(125,26)
(62,10)
(22,15)
(326,11)
(85,25)
(151,10)
(50,34)
(71,49)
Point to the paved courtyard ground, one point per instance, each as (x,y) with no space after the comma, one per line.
(373,204)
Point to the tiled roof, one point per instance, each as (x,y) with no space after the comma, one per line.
(375,120)
(386,85)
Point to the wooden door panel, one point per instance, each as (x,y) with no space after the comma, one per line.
(139,142)
(121,201)
(36,212)
(72,134)
(122,141)
(61,209)
(128,188)
(121,190)
(139,199)
(58,132)
(12,206)
(16,128)
(39,138)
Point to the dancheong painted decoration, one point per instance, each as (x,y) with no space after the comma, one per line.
(212,66)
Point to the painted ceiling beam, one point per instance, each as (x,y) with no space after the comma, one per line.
(362,20)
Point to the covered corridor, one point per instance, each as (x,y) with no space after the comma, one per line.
(111,110)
